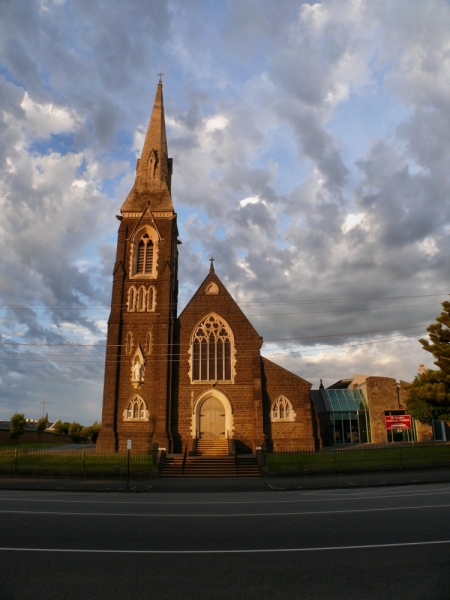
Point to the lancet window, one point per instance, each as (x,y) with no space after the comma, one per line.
(282,410)
(212,350)
(131,303)
(141,299)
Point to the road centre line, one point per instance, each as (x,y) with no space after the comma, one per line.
(248,551)
(216,515)
(350,496)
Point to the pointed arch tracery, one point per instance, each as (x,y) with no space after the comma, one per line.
(212,350)
(282,410)
(135,409)
(143,254)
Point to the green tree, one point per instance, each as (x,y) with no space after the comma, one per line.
(85,433)
(96,428)
(41,426)
(57,426)
(429,394)
(65,428)
(74,431)
(17,426)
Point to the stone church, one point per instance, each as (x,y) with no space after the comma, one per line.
(176,379)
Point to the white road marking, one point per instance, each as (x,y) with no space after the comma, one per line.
(302,499)
(249,551)
(218,515)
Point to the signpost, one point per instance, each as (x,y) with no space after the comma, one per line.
(398,422)
(128,467)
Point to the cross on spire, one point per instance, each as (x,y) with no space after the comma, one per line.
(211,268)
(160,75)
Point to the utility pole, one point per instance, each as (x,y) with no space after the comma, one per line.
(44,402)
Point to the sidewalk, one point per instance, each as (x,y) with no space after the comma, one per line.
(191,485)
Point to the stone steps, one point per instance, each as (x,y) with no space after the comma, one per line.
(209,466)
(212,448)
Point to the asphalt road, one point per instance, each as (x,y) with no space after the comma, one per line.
(371,543)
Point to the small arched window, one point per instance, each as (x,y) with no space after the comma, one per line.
(282,410)
(131,304)
(212,347)
(141,297)
(135,410)
(151,299)
(129,343)
(148,342)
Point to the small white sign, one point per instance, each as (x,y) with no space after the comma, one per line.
(128,444)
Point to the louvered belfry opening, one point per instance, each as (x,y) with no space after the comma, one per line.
(145,255)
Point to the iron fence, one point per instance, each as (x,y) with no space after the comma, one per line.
(369,458)
(79,463)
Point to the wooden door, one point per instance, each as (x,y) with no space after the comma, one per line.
(212,420)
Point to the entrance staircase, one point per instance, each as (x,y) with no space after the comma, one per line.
(211,459)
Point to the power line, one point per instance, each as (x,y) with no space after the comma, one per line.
(320,312)
(251,302)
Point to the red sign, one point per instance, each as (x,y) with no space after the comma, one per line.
(398,422)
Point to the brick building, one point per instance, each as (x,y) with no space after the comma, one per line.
(172,379)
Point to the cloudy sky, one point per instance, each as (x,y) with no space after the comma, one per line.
(311,159)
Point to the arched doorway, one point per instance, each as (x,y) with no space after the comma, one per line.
(212,419)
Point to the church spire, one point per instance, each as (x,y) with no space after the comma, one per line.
(154,168)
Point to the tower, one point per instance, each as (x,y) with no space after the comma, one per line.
(138,370)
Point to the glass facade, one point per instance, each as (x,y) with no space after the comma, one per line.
(349,414)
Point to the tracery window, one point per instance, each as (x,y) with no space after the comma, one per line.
(145,255)
(282,410)
(212,346)
(135,410)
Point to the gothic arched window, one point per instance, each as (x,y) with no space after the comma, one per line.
(132,299)
(141,296)
(145,255)
(151,297)
(129,343)
(212,350)
(282,410)
(135,410)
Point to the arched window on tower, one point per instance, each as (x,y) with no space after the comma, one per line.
(131,299)
(145,255)
(282,410)
(141,296)
(212,350)
(151,299)
(135,410)
(129,343)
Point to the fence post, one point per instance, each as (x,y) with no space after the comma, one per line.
(155,470)
(265,470)
(16,460)
(84,462)
(401,458)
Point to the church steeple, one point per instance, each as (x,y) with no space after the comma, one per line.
(154,168)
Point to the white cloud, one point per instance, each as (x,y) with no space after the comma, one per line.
(45,119)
